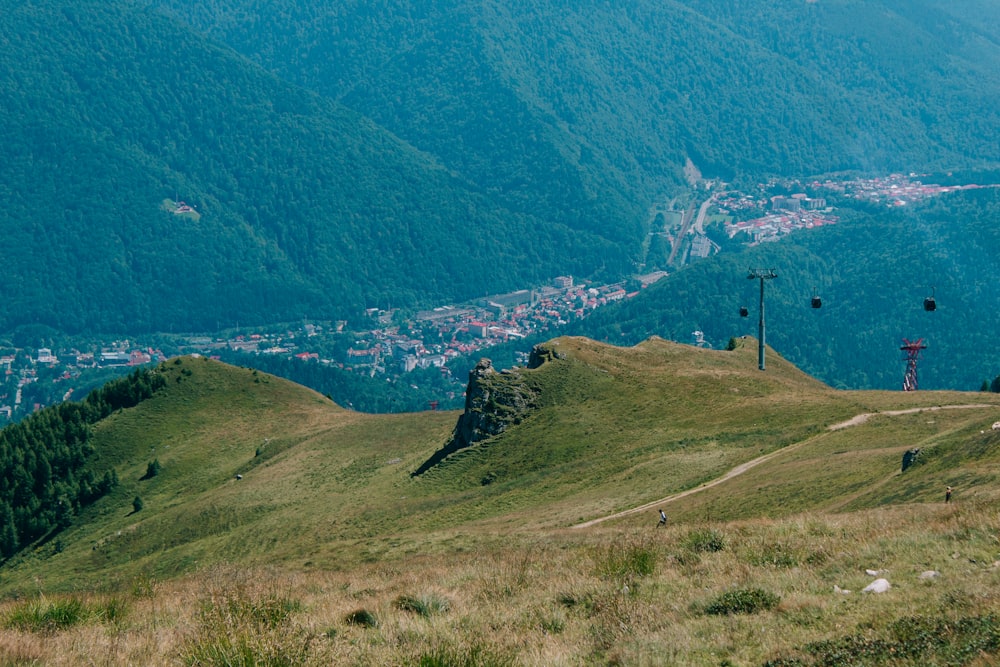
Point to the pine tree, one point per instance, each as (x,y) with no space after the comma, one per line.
(8,532)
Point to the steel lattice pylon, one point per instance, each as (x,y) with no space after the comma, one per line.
(911,353)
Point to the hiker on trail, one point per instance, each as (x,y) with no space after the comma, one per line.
(947,494)
(663,519)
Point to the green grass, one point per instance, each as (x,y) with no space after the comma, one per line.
(742,601)
(483,540)
(615,428)
(47,616)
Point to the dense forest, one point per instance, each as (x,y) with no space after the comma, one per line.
(44,477)
(338,156)
(116,114)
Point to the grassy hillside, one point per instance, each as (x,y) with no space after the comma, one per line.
(614,428)
(282,525)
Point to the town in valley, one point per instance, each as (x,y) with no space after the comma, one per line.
(393,343)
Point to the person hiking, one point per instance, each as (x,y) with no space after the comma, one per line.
(947,494)
(663,519)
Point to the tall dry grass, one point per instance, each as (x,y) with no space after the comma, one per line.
(606,596)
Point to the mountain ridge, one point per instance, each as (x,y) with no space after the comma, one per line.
(524,144)
(246,456)
(277,523)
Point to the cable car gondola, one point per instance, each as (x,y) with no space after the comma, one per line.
(930,304)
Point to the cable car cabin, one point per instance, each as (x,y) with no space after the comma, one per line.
(743,311)
(929,304)
(817,302)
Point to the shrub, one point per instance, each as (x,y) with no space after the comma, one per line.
(362,618)
(742,601)
(46,617)
(424,605)
(706,540)
(625,561)
(137,504)
(152,469)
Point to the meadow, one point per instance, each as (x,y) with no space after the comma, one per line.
(756,592)
(326,551)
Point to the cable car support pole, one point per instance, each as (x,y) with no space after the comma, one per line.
(762,275)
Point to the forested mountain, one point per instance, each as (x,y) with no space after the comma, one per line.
(625,93)
(872,271)
(340,155)
(301,205)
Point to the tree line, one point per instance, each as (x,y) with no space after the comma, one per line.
(44,477)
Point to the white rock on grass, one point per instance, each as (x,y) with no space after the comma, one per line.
(930,574)
(878,586)
(842,591)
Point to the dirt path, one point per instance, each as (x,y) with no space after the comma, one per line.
(856,420)
(864,416)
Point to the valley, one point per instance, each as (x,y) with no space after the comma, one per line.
(392,343)
(420,333)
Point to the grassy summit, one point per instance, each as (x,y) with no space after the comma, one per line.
(279,524)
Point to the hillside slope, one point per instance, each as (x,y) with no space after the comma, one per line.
(872,270)
(340,156)
(255,470)
(619,97)
(115,114)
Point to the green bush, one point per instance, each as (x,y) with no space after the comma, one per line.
(626,561)
(46,617)
(742,601)
(706,540)
(152,469)
(424,605)
(362,618)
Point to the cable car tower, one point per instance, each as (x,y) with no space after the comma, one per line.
(761,275)
(911,353)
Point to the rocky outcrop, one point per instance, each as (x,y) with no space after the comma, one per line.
(910,457)
(494,401)
(542,353)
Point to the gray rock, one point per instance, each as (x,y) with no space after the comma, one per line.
(910,457)
(878,586)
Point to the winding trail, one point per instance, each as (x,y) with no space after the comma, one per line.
(856,420)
